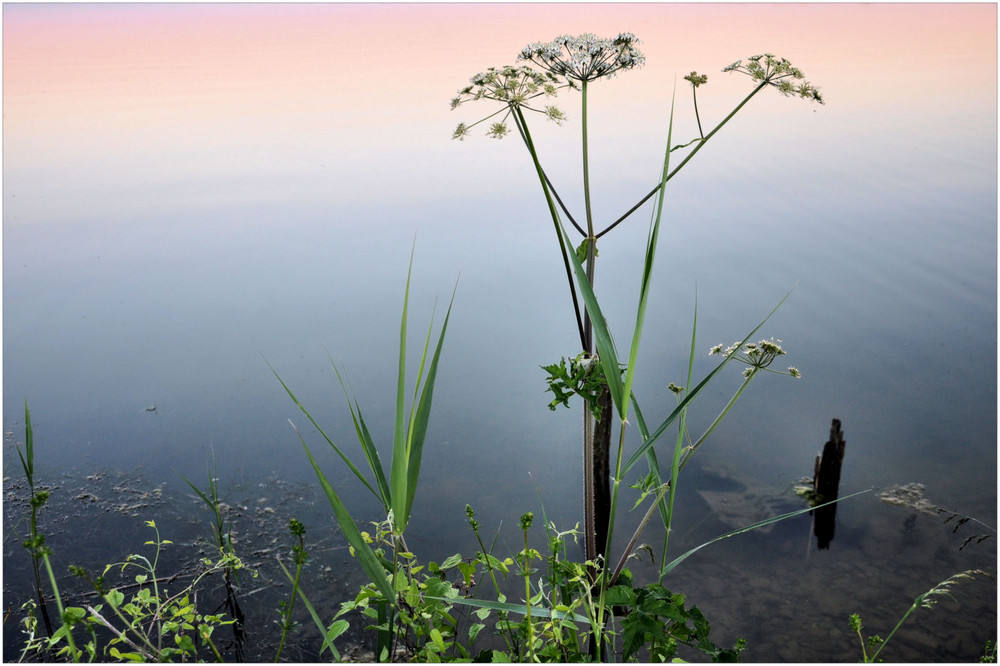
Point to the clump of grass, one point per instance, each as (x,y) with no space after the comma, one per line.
(927,600)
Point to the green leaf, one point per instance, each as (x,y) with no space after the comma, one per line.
(514,608)
(370,564)
(452,561)
(350,464)
(581,250)
(421,418)
(366,441)
(336,629)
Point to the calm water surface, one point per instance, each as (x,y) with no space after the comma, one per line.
(192,189)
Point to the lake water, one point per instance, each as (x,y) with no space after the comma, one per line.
(189,190)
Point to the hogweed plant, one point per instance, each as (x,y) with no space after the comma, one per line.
(566,613)
(524,92)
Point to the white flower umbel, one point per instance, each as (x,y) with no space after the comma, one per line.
(757,356)
(585,57)
(513,87)
(778,73)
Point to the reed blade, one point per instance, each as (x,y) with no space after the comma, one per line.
(350,464)
(369,563)
(366,440)
(329,634)
(422,413)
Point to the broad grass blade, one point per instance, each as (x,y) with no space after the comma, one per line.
(329,634)
(370,563)
(398,473)
(422,413)
(602,336)
(647,270)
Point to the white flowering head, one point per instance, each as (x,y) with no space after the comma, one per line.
(513,87)
(757,356)
(777,73)
(585,57)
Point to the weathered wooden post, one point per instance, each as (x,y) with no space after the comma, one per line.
(826,483)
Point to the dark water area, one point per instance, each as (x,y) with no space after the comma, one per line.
(771,587)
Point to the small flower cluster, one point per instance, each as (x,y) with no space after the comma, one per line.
(585,57)
(757,356)
(514,86)
(696,79)
(777,73)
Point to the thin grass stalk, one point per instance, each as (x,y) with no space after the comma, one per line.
(636,534)
(677,461)
(286,622)
(569,216)
(763,523)
(691,394)
(329,634)
(67,628)
(716,422)
(28,464)
(347,461)
(687,159)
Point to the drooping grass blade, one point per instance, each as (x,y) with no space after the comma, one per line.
(763,523)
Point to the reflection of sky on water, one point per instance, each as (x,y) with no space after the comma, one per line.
(189,187)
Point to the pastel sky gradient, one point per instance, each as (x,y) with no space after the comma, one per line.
(167,90)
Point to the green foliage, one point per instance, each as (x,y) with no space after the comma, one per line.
(989,653)
(582,376)
(658,620)
(150,624)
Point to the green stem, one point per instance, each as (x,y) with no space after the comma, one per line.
(527,600)
(685,160)
(286,624)
(615,484)
(522,127)
(694,94)
(591,248)
(716,422)
(59,605)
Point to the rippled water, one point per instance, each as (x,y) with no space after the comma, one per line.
(191,190)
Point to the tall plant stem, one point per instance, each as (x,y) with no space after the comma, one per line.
(596,435)
(687,159)
(591,248)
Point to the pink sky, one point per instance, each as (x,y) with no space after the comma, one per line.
(241,86)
